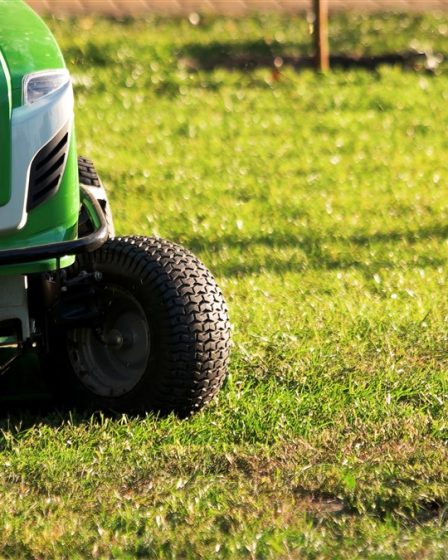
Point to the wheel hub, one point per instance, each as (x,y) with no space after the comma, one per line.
(111,360)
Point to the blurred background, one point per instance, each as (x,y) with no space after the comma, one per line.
(234,7)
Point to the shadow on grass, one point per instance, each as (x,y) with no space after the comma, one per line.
(26,401)
(312,251)
(260,54)
(20,413)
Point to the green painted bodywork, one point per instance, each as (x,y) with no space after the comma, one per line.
(26,43)
(26,46)
(5,132)
(55,220)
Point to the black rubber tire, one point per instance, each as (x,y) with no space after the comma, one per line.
(88,177)
(188,325)
(87,173)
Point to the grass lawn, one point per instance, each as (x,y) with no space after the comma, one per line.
(321,205)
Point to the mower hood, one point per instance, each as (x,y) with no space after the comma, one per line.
(27,130)
(26,44)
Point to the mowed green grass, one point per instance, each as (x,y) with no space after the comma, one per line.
(320,203)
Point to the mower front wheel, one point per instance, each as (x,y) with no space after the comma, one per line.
(162,340)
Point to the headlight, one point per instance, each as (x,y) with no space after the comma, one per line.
(40,84)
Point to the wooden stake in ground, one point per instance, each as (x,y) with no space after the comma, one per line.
(321,34)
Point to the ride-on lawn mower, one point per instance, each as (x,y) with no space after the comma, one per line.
(119,323)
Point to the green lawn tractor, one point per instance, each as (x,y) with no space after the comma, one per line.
(127,324)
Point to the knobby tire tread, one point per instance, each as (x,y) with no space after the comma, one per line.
(195,329)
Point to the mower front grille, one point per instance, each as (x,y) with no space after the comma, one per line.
(47,169)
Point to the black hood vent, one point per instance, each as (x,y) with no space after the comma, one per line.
(47,169)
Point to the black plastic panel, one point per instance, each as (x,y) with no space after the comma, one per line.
(47,169)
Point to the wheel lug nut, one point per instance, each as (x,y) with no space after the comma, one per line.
(113,338)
